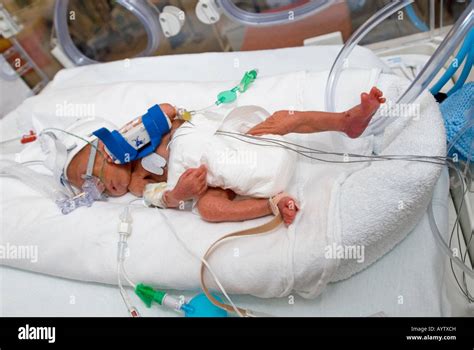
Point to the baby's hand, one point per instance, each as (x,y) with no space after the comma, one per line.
(191,184)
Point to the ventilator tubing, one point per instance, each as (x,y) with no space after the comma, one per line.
(444,246)
(36,181)
(434,227)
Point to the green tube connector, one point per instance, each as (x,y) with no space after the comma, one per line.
(249,78)
(230,96)
(148,295)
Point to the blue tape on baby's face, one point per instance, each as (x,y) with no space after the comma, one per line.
(154,125)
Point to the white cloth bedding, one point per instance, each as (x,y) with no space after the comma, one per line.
(414,270)
(89,253)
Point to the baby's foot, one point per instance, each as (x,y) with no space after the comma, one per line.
(288,209)
(357,118)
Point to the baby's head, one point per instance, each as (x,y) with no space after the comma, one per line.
(115,177)
(119,179)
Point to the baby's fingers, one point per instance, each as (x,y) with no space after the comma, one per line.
(254,131)
(202,189)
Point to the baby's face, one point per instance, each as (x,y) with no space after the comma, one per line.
(115,177)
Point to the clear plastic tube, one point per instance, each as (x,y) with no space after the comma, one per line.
(424,78)
(146,13)
(417,22)
(452,40)
(467,66)
(463,52)
(444,246)
(358,35)
(36,181)
(272,18)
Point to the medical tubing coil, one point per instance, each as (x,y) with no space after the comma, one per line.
(272,18)
(146,13)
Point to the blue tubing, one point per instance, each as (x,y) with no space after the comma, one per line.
(465,72)
(417,22)
(465,49)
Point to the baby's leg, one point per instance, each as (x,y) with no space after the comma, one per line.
(353,122)
(218,205)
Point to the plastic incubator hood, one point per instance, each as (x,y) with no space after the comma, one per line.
(146,13)
(272,18)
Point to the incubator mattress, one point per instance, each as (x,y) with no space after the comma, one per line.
(368,207)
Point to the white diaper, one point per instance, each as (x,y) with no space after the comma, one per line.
(247,169)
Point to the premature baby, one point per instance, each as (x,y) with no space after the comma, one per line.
(218,204)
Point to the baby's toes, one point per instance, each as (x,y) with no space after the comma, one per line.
(289,215)
(375,92)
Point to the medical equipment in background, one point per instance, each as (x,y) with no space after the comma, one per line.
(69,55)
(465,54)
(208,11)
(452,40)
(23,63)
(172,20)
(417,22)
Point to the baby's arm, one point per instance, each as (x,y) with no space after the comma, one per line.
(191,185)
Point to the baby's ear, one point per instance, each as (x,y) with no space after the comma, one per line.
(101,148)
